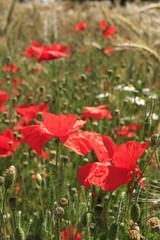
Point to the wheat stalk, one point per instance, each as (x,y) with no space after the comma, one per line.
(135,46)
(150,7)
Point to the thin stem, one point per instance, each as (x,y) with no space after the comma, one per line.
(154,149)
(3,209)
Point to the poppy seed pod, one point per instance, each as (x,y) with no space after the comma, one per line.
(63,202)
(154,139)
(154,224)
(135,212)
(19,234)
(133,235)
(59,212)
(9,177)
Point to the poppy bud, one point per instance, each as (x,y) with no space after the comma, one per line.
(63,202)
(30,99)
(154,139)
(41,89)
(19,234)
(12,203)
(1,181)
(133,235)
(135,212)
(147,124)
(83,77)
(113,231)
(40,116)
(117,77)
(98,210)
(59,212)
(9,177)
(38,179)
(65,159)
(109,72)
(92,228)
(154,224)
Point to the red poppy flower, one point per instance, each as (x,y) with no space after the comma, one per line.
(96,112)
(103,24)
(53,52)
(36,43)
(3,99)
(135,127)
(30,111)
(37,70)
(6,138)
(109,50)
(68,234)
(32,52)
(1,82)
(89,69)
(107,31)
(80,26)
(115,167)
(43,52)
(11,68)
(124,131)
(36,136)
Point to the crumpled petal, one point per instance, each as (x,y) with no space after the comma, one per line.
(109,178)
(50,55)
(128,153)
(36,136)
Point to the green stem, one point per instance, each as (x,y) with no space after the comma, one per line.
(3,209)
(57,153)
(149,159)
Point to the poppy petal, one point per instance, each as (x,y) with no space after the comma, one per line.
(59,125)
(36,137)
(128,153)
(109,178)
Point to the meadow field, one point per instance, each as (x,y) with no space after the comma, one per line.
(79,121)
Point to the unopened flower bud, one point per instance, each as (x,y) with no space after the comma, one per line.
(1,181)
(113,231)
(38,179)
(92,228)
(9,177)
(98,210)
(147,125)
(135,212)
(12,203)
(19,234)
(40,116)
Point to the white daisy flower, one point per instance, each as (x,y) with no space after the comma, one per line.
(154,116)
(129,88)
(104,95)
(137,100)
